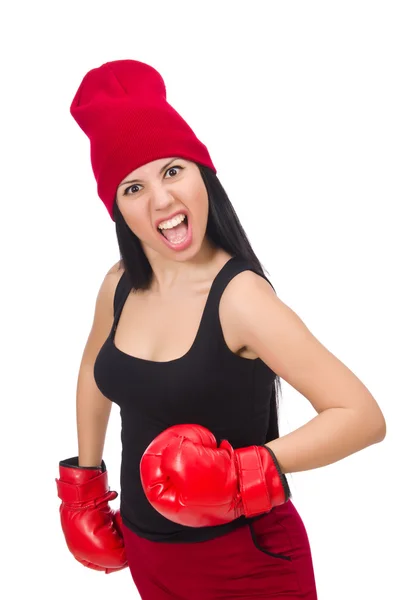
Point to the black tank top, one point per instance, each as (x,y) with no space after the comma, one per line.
(234,397)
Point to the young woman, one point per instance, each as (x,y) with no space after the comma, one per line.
(190,340)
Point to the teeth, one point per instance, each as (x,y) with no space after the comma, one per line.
(172,222)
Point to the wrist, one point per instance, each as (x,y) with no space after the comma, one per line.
(75,463)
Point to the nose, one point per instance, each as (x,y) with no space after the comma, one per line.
(161,199)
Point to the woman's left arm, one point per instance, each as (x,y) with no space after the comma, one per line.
(349,418)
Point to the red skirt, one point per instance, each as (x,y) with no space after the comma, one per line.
(269,558)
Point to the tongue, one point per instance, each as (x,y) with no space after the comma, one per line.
(177,233)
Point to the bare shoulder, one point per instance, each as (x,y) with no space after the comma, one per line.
(274,332)
(245,283)
(107,288)
(103,314)
(236,302)
(111,279)
(258,313)
(117,269)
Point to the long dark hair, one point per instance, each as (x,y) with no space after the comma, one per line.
(224,230)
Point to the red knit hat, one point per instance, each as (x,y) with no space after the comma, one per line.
(122,108)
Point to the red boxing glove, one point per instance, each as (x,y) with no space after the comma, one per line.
(190,481)
(92,529)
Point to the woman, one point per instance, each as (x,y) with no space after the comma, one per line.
(190,340)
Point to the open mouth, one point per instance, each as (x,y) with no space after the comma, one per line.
(176,234)
(178,238)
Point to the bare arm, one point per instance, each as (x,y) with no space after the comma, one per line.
(349,418)
(92,407)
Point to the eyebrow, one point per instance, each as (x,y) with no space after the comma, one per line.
(137,180)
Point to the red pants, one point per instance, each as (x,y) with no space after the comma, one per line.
(269,558)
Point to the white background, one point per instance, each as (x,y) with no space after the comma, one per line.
(296,102)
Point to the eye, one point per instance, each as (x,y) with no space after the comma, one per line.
(174,167)
(125,193)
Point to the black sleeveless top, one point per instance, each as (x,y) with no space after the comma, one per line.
(234,397)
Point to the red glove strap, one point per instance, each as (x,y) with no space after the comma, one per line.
(253,487)
(261,483)
(92,489)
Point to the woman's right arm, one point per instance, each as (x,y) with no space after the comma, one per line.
(92,407)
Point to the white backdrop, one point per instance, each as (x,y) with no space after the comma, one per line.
(296,102)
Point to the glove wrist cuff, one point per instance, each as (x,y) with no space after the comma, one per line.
(74,464)
(79,493)
(262,484)
(277,481)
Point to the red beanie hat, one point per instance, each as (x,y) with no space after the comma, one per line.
(122,108)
